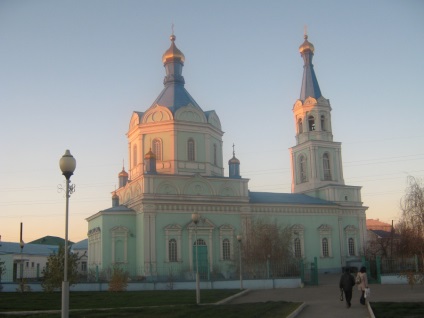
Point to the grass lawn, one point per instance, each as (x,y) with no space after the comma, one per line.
(179,303)
(398,310)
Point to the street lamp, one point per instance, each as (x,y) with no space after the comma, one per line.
(67,164)
(239,237)
(21,244)
(195,217)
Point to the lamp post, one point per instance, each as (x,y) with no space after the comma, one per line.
(21,244)
(67,164)
(267,265)
(195,217)
(239,237)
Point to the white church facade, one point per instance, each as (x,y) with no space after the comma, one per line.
(176,168)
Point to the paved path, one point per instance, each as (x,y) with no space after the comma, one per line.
(323,301)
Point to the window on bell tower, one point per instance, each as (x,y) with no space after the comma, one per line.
(311,122)
(302,169)
(300,126)
(214,154)
(134,155)
(326,166)
(157,149)
(322,122)
(190,150)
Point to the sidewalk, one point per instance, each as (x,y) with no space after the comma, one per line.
(323,301)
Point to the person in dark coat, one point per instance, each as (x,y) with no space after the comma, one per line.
(346,284)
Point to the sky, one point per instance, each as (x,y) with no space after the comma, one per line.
(72,73)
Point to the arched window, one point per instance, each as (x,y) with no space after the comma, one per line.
(297,248)
(351,246)
(326,166)
(322,122)
(311,122)
(157,149)
(172,246)
(226,249)
(200,242)
(302,169)
(134,155)
(190,150)
(214,154)
(325,252)
(300,126)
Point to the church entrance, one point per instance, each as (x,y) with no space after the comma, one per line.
(202,258)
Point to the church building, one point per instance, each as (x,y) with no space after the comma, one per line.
(176,197)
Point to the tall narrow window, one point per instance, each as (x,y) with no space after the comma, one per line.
(302,168)
(190,150)
(226,249)
(322,122)
(311,122)
(300,126)
(172,246)
(297,248)
(157,149)
(351,245)
(214,154)
(326,165)
(135,156)
(325,247)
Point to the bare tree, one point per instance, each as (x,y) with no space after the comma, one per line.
(411,225)
(266,247)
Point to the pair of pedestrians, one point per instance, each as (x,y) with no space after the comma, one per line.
(347,282)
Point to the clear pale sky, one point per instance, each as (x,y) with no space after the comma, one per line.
(72,73)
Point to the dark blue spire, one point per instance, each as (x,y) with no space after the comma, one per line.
(310,87)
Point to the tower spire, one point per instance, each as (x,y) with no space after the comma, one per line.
(310,87)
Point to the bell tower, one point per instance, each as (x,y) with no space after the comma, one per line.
(316,159)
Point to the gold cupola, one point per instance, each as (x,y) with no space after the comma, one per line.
(173,53)
(306,45)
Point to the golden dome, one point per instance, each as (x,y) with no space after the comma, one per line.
(306,46)
(150,155)
(234,160)
(173,52)
(123,173)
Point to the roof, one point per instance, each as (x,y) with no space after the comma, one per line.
(81,245)
(50,240)
(286,198)
(378,225)
(31,249)
(119,208)
(175,96)
(384,234)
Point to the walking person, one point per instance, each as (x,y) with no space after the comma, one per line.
(362,282)
(346,285)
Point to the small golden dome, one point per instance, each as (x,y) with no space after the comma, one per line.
(123,173)
(233,160)
(150,155)
(115,196)
(306,46)
(173,52)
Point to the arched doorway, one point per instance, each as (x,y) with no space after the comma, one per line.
(202,258)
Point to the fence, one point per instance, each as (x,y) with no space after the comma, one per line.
(171,272)
(182,273)
(397,266)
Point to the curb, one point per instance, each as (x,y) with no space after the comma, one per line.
(297,311)
(228,299)
(370,312)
